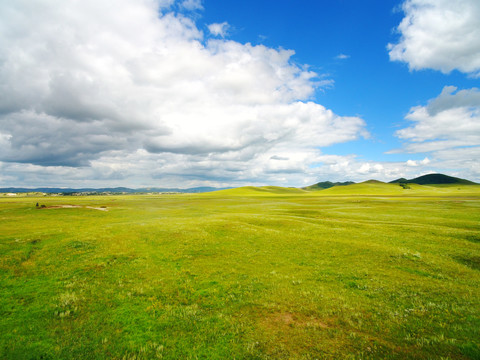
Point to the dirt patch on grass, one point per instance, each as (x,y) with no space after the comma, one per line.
(287,319)
(101,208)
(61,207)
(294,335)
(97,208)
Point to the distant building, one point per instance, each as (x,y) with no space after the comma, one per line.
(11,194)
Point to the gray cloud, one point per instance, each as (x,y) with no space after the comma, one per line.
(451,98)
(276,157)
(47,140)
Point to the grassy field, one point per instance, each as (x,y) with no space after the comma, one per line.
(369,271)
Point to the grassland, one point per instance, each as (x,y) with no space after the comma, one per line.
(365,271)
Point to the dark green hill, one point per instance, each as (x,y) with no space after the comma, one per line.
(434,179)
(326,185)
(401,180)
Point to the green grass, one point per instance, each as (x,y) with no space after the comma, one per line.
(376,272)
(259,190)
(377,188)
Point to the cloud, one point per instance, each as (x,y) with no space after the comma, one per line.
(450,120)
(350,167)
(136,93)
(415,163)
(192,5)
(225,169)
(276,157)
(219,29)
(448,127)
(439,34)
(43,139)
(342,57)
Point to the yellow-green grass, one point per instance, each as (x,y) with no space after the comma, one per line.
(238,274)
(259,191)
(377,188)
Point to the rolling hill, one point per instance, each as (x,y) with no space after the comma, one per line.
(326,185)
(434,179)
(260,191)
(429,179)
(430,184)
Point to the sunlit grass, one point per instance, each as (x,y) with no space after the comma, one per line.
(249,273)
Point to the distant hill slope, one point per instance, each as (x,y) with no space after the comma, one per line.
(326,185)
(434,179)
(372,181)
(378,188)
(260,191)
(369,187)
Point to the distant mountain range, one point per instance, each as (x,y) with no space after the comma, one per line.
(116,190)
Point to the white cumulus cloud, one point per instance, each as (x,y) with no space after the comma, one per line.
(439,34)
(448,121)
(415,163)
(130,90)
(448,127)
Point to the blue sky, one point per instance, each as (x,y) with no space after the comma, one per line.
(229,93)
(365,83)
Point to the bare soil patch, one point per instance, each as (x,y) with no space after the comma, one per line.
(282,319)
(73,207)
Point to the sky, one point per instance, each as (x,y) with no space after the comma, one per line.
(186,93)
